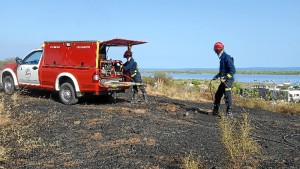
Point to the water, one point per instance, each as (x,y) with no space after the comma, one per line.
(239,77)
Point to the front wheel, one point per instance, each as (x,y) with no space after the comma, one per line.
(67,94)
(8,85)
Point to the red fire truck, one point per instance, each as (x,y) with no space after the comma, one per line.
(71,68)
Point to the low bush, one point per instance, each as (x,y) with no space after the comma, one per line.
(241,148)
(158,76)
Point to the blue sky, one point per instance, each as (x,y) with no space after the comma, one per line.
(181,34)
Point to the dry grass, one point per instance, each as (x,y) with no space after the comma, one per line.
(2,106)
(191,161)
(4,114)
(15,98)
(22,133)
(4,121)
(273,106)
(16,131)
(240,146)
(178,90)
(3,152)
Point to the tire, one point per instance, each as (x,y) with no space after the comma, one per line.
(8,85)
(67,94)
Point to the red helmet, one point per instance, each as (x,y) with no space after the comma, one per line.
(218,46)
(127,53)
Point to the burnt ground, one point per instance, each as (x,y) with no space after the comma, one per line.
(97,133)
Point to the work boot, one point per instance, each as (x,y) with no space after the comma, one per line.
(229,113)
(145,97)
(134,98)
(216,110)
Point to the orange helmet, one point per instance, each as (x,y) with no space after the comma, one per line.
(218,46)
(127,54)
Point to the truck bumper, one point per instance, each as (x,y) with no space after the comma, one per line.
(120,85)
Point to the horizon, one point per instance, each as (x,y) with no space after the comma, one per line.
(297,68)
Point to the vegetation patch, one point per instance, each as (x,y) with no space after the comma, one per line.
(241,148)
(191,161)
(204,91)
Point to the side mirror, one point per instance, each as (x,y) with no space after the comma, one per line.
(18,60)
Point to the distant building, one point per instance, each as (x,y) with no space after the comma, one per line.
(294,96)
(272,92)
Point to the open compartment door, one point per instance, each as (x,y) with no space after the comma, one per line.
(122,42)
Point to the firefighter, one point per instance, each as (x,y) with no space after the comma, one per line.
(131,67)
(226,73)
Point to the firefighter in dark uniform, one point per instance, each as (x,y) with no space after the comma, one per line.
(131,67)
(226,73)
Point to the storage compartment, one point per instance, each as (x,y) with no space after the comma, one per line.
(110,68)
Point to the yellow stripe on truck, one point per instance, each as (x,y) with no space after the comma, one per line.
(97,54)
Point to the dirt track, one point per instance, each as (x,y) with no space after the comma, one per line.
(99,134)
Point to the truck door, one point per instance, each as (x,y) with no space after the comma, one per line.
(29,68)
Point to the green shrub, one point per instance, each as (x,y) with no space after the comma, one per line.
(196,82)
(164,77)
(148,80)
(237,87)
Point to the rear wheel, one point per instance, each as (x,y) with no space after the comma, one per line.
(8,85)
(67,94)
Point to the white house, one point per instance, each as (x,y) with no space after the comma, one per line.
(294,96)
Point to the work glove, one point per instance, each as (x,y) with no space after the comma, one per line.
(228,76)
(215,77)
(223,79)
